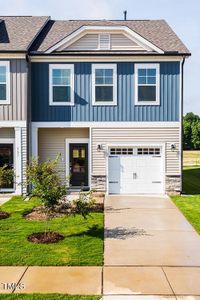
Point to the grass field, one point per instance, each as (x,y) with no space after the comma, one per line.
(191,158)
(46,297)
(190,204)
(82,245)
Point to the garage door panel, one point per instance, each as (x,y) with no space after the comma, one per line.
(135,174)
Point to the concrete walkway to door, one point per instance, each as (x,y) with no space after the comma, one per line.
(150,248)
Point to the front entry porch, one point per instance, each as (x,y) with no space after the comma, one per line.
(73,146)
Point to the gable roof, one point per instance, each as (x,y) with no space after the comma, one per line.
(18,33)
(157,32)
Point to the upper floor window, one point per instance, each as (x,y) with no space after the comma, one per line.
(4,82)
(147,84)
(61,84)
(104,84)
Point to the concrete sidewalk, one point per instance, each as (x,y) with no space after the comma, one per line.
(5,197)
(113,282)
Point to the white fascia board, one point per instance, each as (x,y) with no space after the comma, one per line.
(10,124)
(12,55)
(103,124)
(103,58)
(85,29)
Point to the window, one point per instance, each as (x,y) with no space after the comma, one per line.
(147,84)
(148,151)
(4,82)
(104,41)
(104,84)
(61,84)
(121,151)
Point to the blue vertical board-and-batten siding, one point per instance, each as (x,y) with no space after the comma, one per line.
(126,110)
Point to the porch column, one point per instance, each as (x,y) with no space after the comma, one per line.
(18,160)
(34,142)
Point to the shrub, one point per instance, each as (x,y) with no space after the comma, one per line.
(6,176)
(46,182)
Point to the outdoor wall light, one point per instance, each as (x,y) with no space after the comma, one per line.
(173,147)
(99,147)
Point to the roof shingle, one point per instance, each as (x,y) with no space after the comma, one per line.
(157,32)
(17,33)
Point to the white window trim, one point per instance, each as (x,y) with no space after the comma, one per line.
(7,65)
(60,66)
(105,66)
(144,66)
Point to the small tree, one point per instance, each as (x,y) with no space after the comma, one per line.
(46,182)
(6,176)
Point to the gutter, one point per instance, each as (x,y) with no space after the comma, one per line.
(34,53)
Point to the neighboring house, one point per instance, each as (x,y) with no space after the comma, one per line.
(16,36)
(107,96)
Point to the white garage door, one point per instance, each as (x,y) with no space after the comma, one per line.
(136,170)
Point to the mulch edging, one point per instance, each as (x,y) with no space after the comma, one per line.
(45,237)
(4,215)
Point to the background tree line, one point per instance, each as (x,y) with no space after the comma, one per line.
(191,129)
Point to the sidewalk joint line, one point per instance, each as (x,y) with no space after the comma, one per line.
(168,282)
(20,279)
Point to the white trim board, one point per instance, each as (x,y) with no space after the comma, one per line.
(90,29)
(9,124)
(77,141)
(103,124)
(103,58)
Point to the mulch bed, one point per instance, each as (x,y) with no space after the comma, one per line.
(38,214)
(4,215)
(45,237)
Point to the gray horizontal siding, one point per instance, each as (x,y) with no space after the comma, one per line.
(17,109)
(126,110)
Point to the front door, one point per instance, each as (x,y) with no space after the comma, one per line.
(78,164)
(6,158)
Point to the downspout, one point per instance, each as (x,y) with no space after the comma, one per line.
(28,112)
(181,116)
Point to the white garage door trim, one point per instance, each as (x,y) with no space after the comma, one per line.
(138,145)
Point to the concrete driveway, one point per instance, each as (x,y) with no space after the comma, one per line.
(150,248)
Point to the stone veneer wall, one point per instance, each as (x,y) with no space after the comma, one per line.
(98,182)
(173,184)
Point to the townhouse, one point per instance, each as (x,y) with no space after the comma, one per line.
(107,96)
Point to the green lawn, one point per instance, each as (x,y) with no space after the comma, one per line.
(46,297)
(83,243)
(191,157)
(190,204)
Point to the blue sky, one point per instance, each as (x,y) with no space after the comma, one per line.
(182,15)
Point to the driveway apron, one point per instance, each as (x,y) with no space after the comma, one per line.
(150,248)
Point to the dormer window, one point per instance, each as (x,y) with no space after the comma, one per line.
(104,41)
